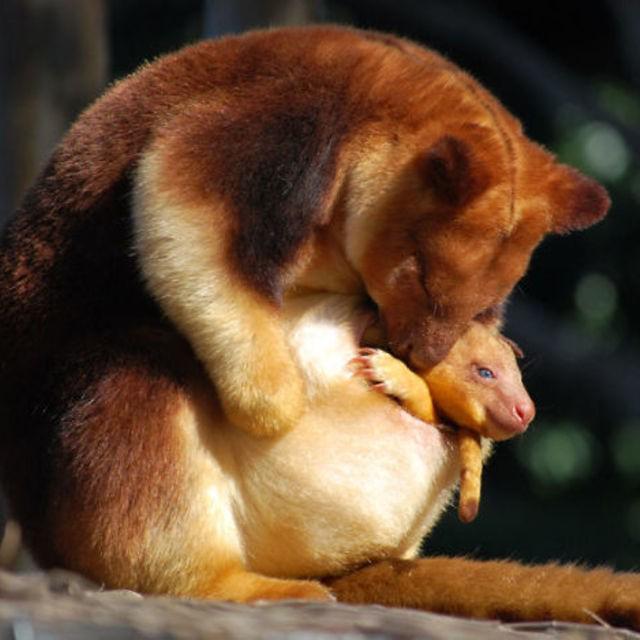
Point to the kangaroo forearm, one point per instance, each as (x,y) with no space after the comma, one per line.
(235,332)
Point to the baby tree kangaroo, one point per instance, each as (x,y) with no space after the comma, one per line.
(477,386)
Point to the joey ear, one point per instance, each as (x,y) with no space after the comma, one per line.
(577,201)
(450,169)
(514,346)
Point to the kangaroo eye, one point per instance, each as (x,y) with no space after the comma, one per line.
(485,373)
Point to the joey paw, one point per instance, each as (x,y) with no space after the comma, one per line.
(379,369)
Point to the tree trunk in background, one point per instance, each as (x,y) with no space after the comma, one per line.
(53,62)
(233,16)
(627,15)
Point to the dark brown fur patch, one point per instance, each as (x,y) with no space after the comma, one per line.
(279,195)
(272,161)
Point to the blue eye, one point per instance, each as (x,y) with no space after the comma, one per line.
(485,373)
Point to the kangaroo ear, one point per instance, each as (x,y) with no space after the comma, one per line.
(577,202)
(450,169)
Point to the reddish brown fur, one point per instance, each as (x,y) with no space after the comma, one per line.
(116,455)
(455,177)
(269,123)
(500,590)
(112,455)
(96,156)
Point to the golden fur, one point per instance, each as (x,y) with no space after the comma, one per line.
(239,512)
(459,155)
(477,386)
(501,590)
(168,243)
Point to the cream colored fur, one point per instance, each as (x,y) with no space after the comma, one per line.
(238,337)
(378,479)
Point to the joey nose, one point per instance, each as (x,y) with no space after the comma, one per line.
(524,413)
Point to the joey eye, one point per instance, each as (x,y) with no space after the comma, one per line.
(485,373)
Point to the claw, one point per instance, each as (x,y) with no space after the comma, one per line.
(367,374)
(364,367)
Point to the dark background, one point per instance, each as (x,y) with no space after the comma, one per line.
(570,488)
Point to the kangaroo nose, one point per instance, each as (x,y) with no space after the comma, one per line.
(524,411)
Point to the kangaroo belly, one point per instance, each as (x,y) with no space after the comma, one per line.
(349,484)
(358,478)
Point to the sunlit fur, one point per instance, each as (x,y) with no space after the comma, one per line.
(342,458)
(486,406)
(356,479)
(183,255)
(152,257)
(392,167)
(497,406)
